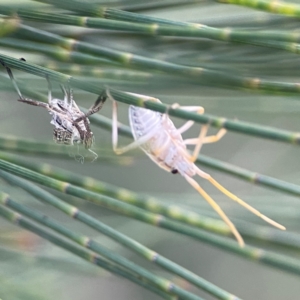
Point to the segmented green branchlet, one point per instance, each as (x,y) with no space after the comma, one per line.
(141,6)
(91,9)
(96,67)
(233,125)
(140,249)
(85,254)
(226,60)
(101,73)
(256,232)
(55,52)
(266,257)
(155,29)
(127,59)
(173,211)
(157,281)
(273,6)
(148,203)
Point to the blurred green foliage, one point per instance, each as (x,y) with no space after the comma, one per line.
(239,63)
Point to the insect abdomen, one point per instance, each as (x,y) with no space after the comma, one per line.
(165,146)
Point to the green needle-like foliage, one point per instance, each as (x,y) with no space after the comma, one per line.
(93,245)
(289,9)
(266,257)
(87,255)
(173,211)
(238,126)
(237,59)
(155,29)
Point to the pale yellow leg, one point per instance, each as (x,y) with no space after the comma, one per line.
(207,139)
(203,131)
(217,208)
(186,126)
(132,145)
(237,199)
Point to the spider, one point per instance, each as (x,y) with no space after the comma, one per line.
(71,125)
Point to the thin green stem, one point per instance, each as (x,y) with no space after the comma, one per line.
(198,74)
(32,147)
(126,241)
(273,6)
(155,29)
(253,177)
(237,126)
(174,212)
(19,220)
(276,260)
(149,203)
(159,282)
(100,72)
(92,9)
(55,52)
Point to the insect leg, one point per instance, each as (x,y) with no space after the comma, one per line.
(196,141)
(207,139)
(186,126)
(216,137)
(202,138)
(237,199)
(131,146)
(203,131)
(217,208)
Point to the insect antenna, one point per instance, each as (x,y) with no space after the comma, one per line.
(238,200)
(217,208)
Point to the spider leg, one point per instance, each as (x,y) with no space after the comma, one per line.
(95,107)
(34,102)
(81,132)
(38,103)
(98,104)
(11,76)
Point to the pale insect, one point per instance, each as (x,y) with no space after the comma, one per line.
(71,125)
(158,137)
